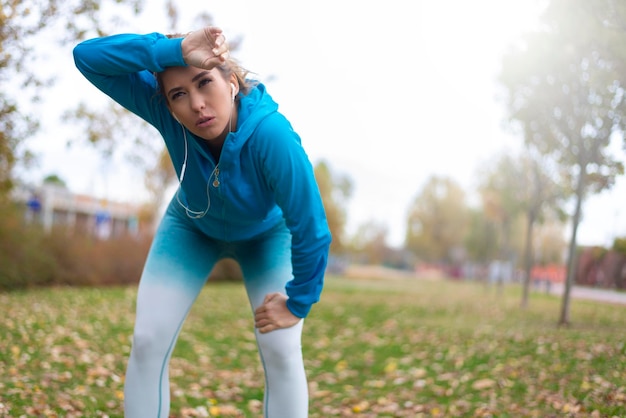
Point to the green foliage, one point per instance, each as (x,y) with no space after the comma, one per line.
(438,220)
(377,348)
(481,240)
(504,192)
(54,179)
(565,88)
(619,245)
(23,24)
(369,243)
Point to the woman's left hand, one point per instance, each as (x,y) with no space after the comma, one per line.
(273,314)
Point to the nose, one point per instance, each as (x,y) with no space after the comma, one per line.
(197,102)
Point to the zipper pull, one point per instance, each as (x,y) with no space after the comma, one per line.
(216,173)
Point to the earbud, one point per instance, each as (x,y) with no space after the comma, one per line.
(232,90)
(176,118)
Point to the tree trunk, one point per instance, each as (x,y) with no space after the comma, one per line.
(505,257)
(571,256)
(528,258)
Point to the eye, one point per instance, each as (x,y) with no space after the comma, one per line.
(177,95)
(203,82)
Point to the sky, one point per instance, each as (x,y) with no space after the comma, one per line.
(388,93)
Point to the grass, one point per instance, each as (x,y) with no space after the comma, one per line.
(373,348)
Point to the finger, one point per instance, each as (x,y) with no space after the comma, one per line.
(261,320)
(260,316)
(220,50)
(210,33)
(215,31)
(273,296)
(223,56)
(267,328)
(263,323)
(220,40)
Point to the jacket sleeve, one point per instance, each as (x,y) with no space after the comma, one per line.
(289,173)
(122,67)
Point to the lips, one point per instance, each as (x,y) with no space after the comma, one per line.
(204,121)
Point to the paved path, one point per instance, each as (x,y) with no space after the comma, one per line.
(580,292)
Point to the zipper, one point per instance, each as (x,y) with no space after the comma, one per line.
(216,173)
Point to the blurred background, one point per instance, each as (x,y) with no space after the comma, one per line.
(478,139)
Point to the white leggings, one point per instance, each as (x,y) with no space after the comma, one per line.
(176,269)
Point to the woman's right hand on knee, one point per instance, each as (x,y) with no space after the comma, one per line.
(273,314)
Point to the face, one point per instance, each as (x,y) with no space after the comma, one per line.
(201,100)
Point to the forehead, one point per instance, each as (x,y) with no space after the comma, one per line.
(179,76)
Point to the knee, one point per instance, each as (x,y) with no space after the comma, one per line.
(148,344)
(280,346)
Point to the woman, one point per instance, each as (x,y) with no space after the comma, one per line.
(246,191)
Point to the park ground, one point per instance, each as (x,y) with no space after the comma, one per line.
(376,346)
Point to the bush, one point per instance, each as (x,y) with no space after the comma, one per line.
(23,260)
(86,261)
(30,257)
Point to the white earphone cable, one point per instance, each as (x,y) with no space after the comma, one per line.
(193,213)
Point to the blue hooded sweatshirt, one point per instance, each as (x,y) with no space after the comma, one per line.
(264,175)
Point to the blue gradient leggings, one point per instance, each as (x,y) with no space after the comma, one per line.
(176,270)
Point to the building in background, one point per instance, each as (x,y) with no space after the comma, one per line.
(54,205)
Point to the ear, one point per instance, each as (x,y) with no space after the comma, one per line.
(234,86)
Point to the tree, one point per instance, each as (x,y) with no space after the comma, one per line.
(501,190)
(23,24)
(55,180)
(516,186)
(481,240)
(437,220)
(335,191)
(565,88)
(549,242)
(619,247)
(540,196)
(370,241)
(103,129)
